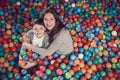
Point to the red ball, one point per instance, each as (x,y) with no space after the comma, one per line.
(56,64)
(13,49)
(66,60)
(59,72)
(16,70)
(59,60)
(110,74)
(42,68)
(40,61)
(39,73)
(16,44)
(51,67)
(10,57)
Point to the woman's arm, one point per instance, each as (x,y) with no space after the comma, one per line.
(54,46)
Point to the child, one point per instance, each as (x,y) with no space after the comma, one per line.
(37,37)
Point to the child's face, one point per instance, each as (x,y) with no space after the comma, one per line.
(38,30)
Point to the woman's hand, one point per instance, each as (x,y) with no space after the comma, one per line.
(26,45)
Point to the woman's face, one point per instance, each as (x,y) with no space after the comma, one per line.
(49,21)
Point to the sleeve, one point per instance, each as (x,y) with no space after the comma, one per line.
(46,41)
(53,47)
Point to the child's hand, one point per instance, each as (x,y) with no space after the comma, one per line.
(25,38)
(28,65)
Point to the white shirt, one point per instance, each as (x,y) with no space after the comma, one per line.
(37,41)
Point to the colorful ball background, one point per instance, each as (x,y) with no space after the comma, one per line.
(93,25)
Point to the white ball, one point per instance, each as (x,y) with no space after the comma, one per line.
(18,3)
(114,33)
(66,0)
(73,4)
(52,61)
(81,55)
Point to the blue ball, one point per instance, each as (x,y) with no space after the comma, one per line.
(35,56)
(24,71)
(25,57)
(26,77)
(17,76)
(15,54)
(46,62)
(12,62)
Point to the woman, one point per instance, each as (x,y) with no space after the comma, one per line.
(59,37)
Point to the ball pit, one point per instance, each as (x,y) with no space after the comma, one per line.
(95,30)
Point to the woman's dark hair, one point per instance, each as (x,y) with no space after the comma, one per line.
(38,21)
(58,24)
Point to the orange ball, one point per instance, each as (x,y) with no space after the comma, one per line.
(73,32)
(71,72)
(9,32)
(8,26)
(90,70)
(86,47)
(83,70)
(88,75)
(10,68)
(114,60)
(6,64)
(105,53)
(93,67)
(108,65)
(22,63)
(11,44)
(2,59)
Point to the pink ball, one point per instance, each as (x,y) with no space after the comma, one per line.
(39,73)
(42,68)
(83,78)
(110,74)
(59,72)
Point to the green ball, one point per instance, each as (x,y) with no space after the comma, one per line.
(62,65)
(1,54)
(10,75)
(119,54)
(48,71)
(118,65)
(100,48)
(36,78)
(76,75)
(103,41)
(95,61)
(114,66)
(3,21)
(62,56)
(55,78)
(96,50)
(13,36)
(67,75)
(102,73)
(6,55)
(100,60)
(22,52)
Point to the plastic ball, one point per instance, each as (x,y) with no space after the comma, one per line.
(24,71)
(67,75)
(59,72)
(17,76)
